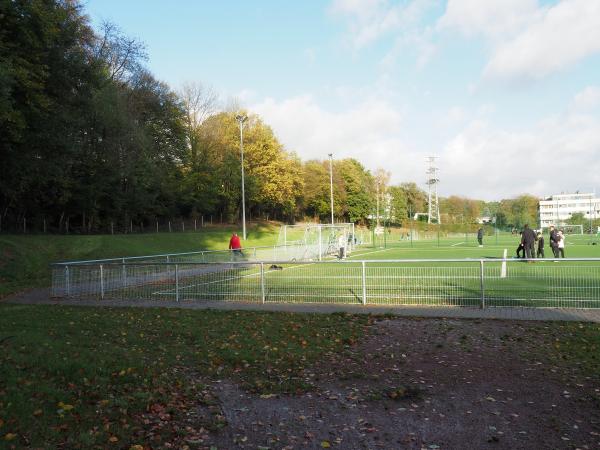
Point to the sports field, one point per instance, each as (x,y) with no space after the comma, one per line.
(448,271)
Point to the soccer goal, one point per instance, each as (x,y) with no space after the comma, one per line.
(319,240)
(572,229)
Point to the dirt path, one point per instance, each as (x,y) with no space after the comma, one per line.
(414,384)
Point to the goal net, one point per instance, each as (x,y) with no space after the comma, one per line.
(572,229)
(317,241)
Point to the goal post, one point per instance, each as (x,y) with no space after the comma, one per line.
(319,240)
(571,229)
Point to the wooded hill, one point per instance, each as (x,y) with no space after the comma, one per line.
(91,140)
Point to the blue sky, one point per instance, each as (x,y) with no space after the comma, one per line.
(505,92)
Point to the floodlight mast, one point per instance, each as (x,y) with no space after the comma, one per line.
(241,119)
(432,182)
(331,183)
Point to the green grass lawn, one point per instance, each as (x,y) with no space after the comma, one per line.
(25,259)
(89,377)
(433,283)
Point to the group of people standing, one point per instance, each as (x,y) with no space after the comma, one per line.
(530,241)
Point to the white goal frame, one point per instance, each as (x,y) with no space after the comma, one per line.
(319,240)
(572,229)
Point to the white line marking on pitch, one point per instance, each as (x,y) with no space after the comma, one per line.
(458,243)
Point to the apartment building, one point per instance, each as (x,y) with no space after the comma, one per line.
(556,209)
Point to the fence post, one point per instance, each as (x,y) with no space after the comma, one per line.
(177,282)
(67,281)
(320,245)
(364,283)
(481,283)
(262,281)
(124,273)
(102,281)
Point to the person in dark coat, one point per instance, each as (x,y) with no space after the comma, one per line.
(540,246)
(528,241)
(520,248)
(554,241)
(480,236)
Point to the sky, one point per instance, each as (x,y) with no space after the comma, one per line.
(505,93)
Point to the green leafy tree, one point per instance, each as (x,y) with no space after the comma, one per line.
(398,205)
(358,190)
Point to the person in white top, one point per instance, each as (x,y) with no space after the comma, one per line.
(561,244)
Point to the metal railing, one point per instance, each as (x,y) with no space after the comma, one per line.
(570,282)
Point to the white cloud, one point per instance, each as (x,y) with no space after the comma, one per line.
(587,99)
(526,40)
(557,155)
(565,34)
(369,132)
(369,20)
(491,18)
(479,160)
(313,131)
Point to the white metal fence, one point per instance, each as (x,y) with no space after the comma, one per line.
(572,282)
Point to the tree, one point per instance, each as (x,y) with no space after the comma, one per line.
(120,54)
(518,212)
(416,199)
(199,103)
(315,197)
(398,205)
(358,190)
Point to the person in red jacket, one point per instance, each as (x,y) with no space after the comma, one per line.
(235,245)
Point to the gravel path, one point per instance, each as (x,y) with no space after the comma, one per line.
(42,296)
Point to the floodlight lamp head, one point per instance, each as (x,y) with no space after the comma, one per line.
(240,118)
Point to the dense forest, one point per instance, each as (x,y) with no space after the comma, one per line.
(91,140)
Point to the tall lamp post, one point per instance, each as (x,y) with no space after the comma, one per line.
(241,119)
(331,183)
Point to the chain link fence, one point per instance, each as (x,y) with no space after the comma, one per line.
(225,276)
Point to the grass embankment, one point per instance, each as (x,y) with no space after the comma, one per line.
(24,260)
(100,377)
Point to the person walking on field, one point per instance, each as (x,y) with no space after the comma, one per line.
(480,236)
(540,246)
(235,245)
(561,244)
(554,241)
(528,241)
(520,248)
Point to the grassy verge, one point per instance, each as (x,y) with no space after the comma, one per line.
(24,260)
(103,378)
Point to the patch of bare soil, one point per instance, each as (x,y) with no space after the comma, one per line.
(418,384)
